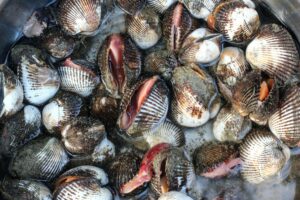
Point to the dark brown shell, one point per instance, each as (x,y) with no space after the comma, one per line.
(131,6)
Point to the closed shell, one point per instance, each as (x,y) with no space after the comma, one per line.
(173,195)
(131,6)
(161,5)
(201,8)
(274,51)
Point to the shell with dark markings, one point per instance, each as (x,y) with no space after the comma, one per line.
(235,20)
(144,107)
(144,28)
(41,159)
(131,6)
(274,51)
(11,92)
(13,189)
(64,107)
(194,93)
(78,76)
(120,63)
(201,8)
(20,129)
(79,16)
(285,122)
(82,135)
(256,95)
(161,5)
(40,81)
(263,156)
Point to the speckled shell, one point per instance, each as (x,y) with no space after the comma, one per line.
(161,5)
(153,110)
(40,81)
(144,28)
(246,98)
(24,189)
(11,92)
(235,20)
(201,8)
(79,16)
(131,6)
(274,51)
(20,129)
(41,159)
(82,135)
(60,110)
(104,152)
(127,71)
(212,154)
(173,195)
(263,156)
(193,95)
(285,122)
(78,76)
(230,125)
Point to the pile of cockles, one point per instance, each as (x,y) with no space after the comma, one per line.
(111,99)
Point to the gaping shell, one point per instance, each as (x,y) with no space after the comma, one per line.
(79,16)
(131,6)
(144,106)
(41,159)
(194,93)
(235,20)
(120,63)
(161,5)
(78,76)
(274,51)
(263,156)
(201,8)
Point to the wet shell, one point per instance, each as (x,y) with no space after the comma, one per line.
(174,196)
(274,51)
(230,125)
(284,123)
(60,110)
(104,152)
(57,44)
(250,97)
(40,81)
(177,24)
(24,189)
(202,47)
(201,8)
(144,28)
(11,92)
(131,6)
(193,94)
(120,63)
(79,16)
(236,21)
(144,107)
(263,156)
(82,135)
(161,63)
(161,5)
(20,129)
(78,76)
(41,159)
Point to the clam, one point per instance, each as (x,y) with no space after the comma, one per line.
(201,9)
(274,51)
(11,92)
(161,5)
(173,195)
(131,6)
(79,16)
(256,96)
(144,28)
(20,129)
(284,123)
(235,20)
(216,159)
(104,152)
(57,44)
(24,189)
(202,47)
(60,110)
(161,63)
(120,64)
(40,81)
(82,135)
(144,106)
(230,125)
(78,76)
(263,156)
(41,159)
(194,93)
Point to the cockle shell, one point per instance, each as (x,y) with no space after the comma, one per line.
(161,5)
(173,195)
(201,8)
(131,6)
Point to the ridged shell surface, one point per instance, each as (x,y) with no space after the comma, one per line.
(263,156)
(41,159)
(201,8)
(174,196)
(161,5)
(274,51)
(131,6)
(79,16)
